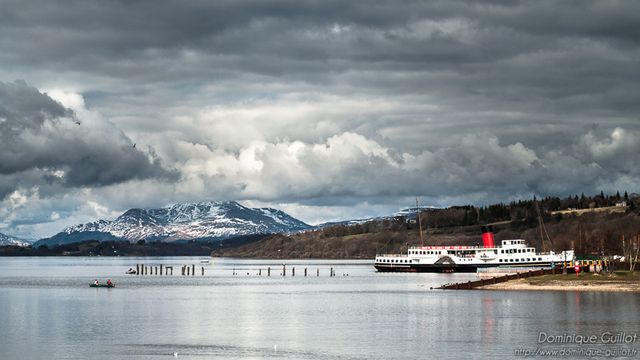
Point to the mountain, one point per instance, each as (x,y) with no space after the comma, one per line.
(190,221)
(10,240)
(406,213)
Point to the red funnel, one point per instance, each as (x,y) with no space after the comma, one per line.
(487,237)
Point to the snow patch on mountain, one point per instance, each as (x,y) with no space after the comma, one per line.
(6,240)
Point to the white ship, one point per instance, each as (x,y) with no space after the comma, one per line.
(469,258)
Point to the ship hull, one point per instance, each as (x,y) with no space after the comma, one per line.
(449,268)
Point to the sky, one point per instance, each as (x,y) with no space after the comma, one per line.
(328,110)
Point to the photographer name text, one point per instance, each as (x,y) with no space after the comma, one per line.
(607,337)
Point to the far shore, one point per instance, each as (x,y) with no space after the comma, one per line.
(615,282)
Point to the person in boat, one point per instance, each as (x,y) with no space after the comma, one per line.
(96,283)
(109,283)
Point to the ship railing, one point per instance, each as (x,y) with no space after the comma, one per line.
(445,247)
(510,269)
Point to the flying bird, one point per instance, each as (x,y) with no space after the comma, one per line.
(77,122)
(134,145)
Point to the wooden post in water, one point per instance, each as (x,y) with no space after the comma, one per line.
(137,269)
(183,270)
(141,269)
(305,272)
(284,270)
(193,269)
(317,271)
(293,271)
(202,270)
(259,272)
(160,269)
(269,271)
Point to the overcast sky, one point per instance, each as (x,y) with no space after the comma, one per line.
(325,109)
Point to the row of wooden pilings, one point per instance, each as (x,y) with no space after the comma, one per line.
(332,271)
(498,279)
(142,269)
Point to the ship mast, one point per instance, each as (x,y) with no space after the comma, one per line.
(543,229)
(419,223)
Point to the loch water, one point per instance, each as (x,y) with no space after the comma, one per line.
(48,311)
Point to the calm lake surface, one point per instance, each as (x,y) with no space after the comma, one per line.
(48,311)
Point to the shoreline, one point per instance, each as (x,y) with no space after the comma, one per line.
(539,284)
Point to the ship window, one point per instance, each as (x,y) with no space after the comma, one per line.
(500,260)
(539,259)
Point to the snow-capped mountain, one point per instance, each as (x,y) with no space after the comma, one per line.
(199,221)
(10,240)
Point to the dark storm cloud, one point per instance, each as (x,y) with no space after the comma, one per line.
(44,144)
(561,62)
(505,55)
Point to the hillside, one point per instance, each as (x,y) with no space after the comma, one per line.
(591,233)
